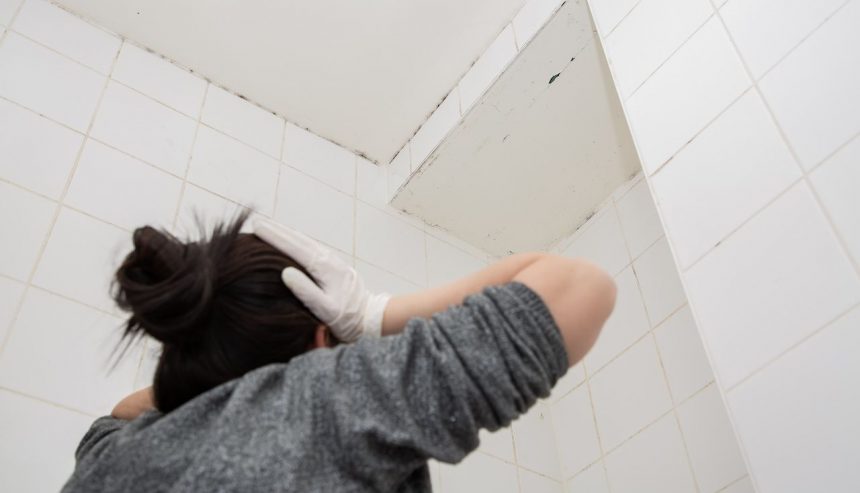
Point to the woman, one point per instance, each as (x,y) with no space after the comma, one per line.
(274,377)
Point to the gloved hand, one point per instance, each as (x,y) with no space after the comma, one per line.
(338,298)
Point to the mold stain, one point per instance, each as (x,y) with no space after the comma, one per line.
(554,77)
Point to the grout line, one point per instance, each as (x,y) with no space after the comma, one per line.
(67,57)
(48,402)
(190,157)
(57,210)
(792,347)
(612,30)
(793,48)
(672,54)
(733,482)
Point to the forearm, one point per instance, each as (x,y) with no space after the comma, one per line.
(427,302)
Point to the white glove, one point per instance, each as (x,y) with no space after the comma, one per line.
(338,298)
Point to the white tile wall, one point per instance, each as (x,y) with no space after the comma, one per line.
(332,216)
(531,18)
(160,79)
(200,205)
(48,82)
(683,356)
(639,219)
(249,123)
(834,182)
(81,257)
(68,34)
(798,417)
(591,480)
(446,263)
(766,30)
(728,172)
(435,128)
(814,96)
(371,183)
(235,170)
(390,243)
(711,443)
(744,485)
(650,33)
(535,443)
(60,350)
(319,158)
(479,472)
(38,441)
(653,461)
(120,189)
(487,68)
(499,443)
(699,81)
(629,393)
(658,278)
(26,218)
(607,14)
(378,280)
(8,9)
(535,483)
(573,378)
(37,153)
(144,128)
(601,241)
(626,325)
(10,295)
(575,432)
(783,275)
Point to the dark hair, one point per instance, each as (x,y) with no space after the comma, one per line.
(218,306)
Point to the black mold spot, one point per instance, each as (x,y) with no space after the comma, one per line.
(572,59)
(554,77)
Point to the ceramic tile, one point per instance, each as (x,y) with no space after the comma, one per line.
(48,83)
(122,190)
(499,443)
(535,483)
(479,472)
(835,183)
(243,120)
(698,82)
(67,34)
(803,436)
(732,169)
(60,351)
(711,442)
(435,128)
(535,442)
(371,183)
(628,323)
(531,18)
(772,306)
(814,97)
(378,280)
(36,452)
(315,209)
(81,257)
(639,219)
(234,170)
(320,158)
(652,31)
(608,13)
(160,79)
(683,356)
(575,432)
(144,128)
(375,242)
(591,480)
(487,68)
(447,263)
(766,30)
(661,286)
(27,218)
(601,241)
(651,462)
(38,153)
(10,296)
(629,393)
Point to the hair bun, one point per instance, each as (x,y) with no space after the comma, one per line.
(166,285)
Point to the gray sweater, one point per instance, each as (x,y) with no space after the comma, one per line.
(359,417)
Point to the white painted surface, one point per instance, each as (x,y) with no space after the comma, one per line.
(531,148)
(363,75)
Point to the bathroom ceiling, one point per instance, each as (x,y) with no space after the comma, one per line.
(542,149)
(362,74)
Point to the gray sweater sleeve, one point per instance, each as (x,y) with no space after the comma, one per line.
(359,417)
(427,392)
